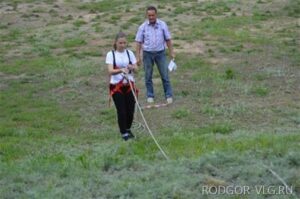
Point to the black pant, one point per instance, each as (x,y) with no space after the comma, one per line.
(125,103)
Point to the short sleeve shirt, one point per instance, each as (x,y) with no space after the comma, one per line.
(122,61)
(153,36)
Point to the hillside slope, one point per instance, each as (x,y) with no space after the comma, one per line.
(234,121)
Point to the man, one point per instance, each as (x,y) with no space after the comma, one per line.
(152,36)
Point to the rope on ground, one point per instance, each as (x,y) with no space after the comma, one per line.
(145,122)
(279,178)
(155,106)
(138,126)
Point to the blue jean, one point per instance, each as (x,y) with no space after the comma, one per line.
(160,59)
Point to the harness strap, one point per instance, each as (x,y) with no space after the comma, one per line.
(114,58)
(128,56)
(117,88)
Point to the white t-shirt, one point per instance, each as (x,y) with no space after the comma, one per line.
(122,61)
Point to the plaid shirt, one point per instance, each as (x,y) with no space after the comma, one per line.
(153,36)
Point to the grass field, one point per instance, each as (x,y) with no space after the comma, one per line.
(235,117)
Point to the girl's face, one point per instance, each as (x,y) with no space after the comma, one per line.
(121,44)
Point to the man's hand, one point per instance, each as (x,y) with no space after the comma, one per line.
(138,61)
(170,47)
(138,53)
(172,54)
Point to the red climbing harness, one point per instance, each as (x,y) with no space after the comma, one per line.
(122,86)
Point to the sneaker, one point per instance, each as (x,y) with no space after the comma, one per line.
(131,136)
(125,136)
(169,100)
(150,99)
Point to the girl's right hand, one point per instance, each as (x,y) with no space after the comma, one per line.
(124,70)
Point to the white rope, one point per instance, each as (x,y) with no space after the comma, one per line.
(146,124)
(279,178)
(155,106)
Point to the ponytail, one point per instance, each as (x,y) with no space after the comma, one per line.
(118,36)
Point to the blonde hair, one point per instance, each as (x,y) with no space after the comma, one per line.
(118,36)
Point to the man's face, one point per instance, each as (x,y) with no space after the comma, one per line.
(152,15)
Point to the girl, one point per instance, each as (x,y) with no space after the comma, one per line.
(121,64)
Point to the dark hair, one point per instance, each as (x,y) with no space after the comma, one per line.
(152,8)
(118,36)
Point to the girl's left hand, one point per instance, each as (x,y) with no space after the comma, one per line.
(131,67)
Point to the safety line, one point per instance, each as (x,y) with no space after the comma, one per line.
(145,122)
(154,106)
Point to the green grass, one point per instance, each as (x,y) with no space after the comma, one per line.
(30,66)
(230,28)
(180,114)
(292,8)
(79,23)
(229,74)
(216,8)
(54,165)
(260,91)
(102,6)
(235,101)
(13,35)
(74,42)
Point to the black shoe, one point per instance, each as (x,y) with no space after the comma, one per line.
(131,136)
(125,136)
